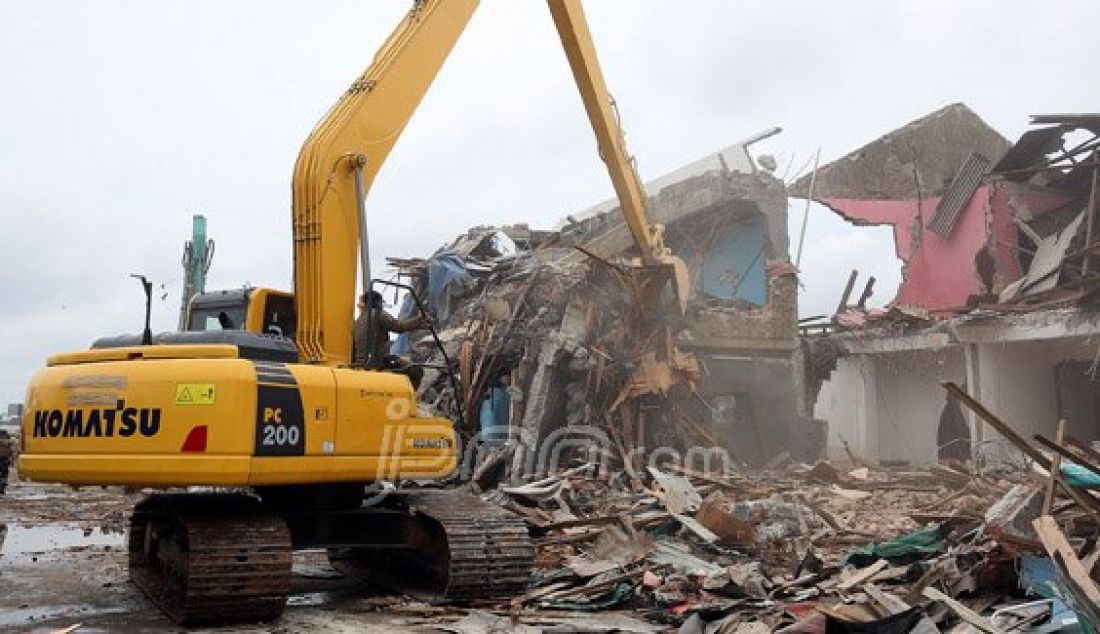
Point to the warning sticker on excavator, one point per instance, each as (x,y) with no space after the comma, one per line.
(194,394)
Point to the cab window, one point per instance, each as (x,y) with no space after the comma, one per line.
(279,316)
(217,318)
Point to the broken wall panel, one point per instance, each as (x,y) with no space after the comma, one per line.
(997,293)
(937,273)
(918,159)
(941,273)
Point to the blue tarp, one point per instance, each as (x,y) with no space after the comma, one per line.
(447,275)
(1077,476)
(494,414)
(1037,577)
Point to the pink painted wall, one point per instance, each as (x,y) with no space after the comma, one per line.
(939,273)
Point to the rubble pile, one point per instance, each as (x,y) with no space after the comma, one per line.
(544,364)
(582,412)
(806,548)
(1058,157)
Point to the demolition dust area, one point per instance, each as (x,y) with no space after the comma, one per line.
(723,466)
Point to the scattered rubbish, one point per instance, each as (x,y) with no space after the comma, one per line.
(760,547)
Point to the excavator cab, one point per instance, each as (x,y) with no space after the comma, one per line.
(263,311)
(258,322)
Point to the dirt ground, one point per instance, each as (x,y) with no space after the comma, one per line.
(63,563)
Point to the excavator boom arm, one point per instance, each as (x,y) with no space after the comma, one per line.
(341,157)
(579,48)
(351,143)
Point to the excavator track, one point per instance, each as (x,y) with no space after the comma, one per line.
(460,547)
(491,554)
(206,558)
(210,558)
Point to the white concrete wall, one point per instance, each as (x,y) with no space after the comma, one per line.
(842,403)
(887,406)
(1077,396)
(1017,384)
(910,399)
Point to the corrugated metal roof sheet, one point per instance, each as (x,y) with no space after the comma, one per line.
(959,193)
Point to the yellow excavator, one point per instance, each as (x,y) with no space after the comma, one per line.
(258,404)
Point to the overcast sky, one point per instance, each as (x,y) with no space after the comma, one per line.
(118,120)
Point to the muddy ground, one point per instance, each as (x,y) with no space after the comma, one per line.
(63,563)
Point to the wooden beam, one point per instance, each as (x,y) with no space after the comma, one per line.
(863,575)
(1091,210)
(1055,467)
(963,612)
(1061,451)
(1066,561)
(1005,430)
(847,291)
(1082,446)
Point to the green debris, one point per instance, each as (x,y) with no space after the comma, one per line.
(906,549)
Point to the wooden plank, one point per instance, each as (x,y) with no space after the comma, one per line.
(1062,452)
(1091,210)
(892,603)
(1065,559)
(1083,447)
(540,592)
(895,605)
(704,477)
(702,532)
(863,575)
(578,522)
(1055,467)
(960,610)
(1085,500)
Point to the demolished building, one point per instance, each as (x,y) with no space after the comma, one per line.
(557,353)
(997,285)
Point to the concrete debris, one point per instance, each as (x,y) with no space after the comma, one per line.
(998,298)
(535,321)
(927,152)
(788,557)
(885,552)
(675,492)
